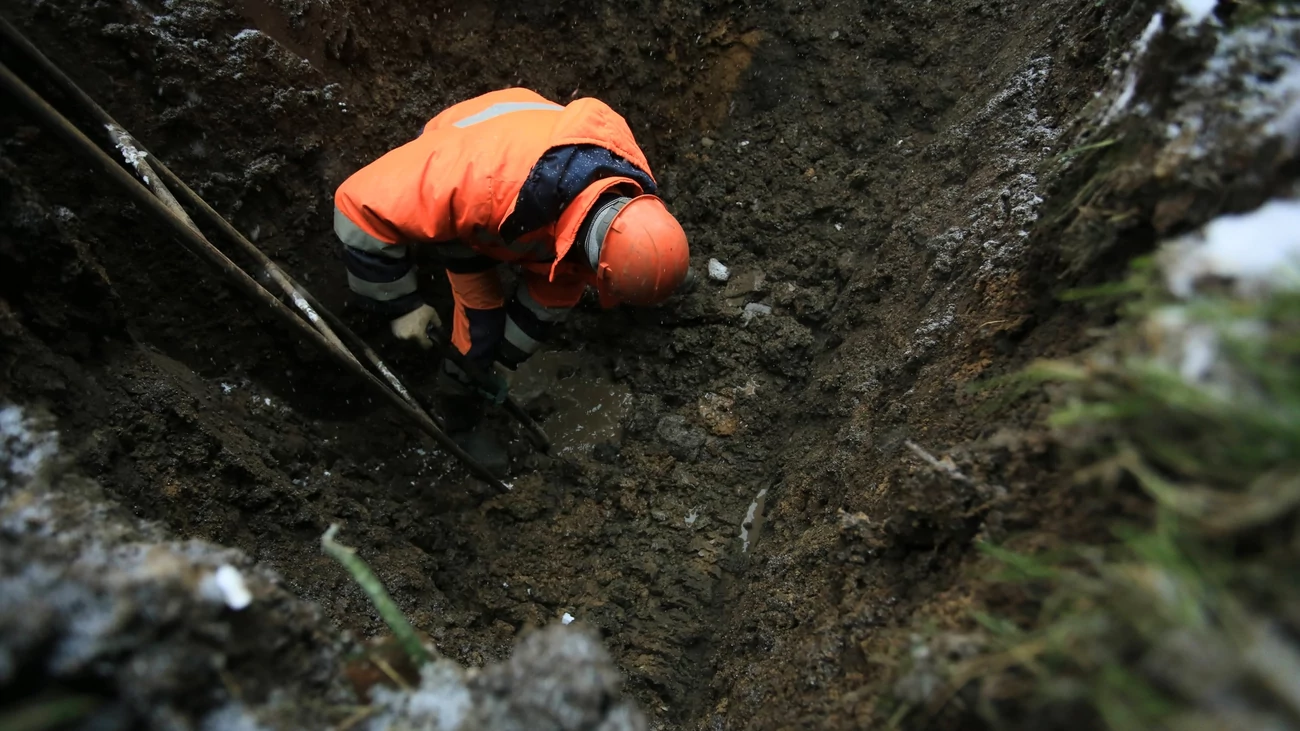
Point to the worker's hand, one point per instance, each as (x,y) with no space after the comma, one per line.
(414,325)
(494,388)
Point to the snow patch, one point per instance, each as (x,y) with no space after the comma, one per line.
(1197,10)
(1131,62)
(1257,252)
(1247,93)
(1285,93)
(24,448)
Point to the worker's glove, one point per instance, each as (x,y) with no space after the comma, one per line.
(492,387)
(414,325)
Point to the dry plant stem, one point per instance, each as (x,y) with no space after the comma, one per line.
(938,466)
(379,597)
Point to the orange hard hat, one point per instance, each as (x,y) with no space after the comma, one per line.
(643,254)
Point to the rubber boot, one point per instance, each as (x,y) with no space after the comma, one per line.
(466,427)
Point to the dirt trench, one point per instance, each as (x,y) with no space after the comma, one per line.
(758,537)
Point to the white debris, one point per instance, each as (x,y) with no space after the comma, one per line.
(748,522)
(718,271)
(1197,10)
(1019,137)
(755,309)
(23,449)
(132,154)
(227,387)
(692,516)
(1286,95)
(567,618)
(227,585)
(1257,251)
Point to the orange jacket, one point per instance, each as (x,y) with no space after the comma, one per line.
(459,180)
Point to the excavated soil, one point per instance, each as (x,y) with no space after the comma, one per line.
(755,535)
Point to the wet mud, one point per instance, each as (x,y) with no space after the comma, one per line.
(736,502)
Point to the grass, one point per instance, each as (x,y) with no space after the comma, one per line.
(403,632)
(1188,619)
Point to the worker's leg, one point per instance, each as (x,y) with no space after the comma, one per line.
(538,305)
(478,321)
(479,317)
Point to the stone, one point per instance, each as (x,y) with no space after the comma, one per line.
(754,309)
(715,411)
(744,283)
(684,442)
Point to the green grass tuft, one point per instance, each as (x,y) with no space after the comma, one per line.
(1191,619)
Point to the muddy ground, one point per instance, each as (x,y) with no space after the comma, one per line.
(759,536)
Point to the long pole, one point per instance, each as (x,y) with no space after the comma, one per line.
(320,317)
(203,249)
(165,177)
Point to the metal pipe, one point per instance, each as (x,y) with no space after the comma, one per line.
(203,249)
(157,176)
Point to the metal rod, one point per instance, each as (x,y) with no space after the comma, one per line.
(203,249)
(135,155)
(321,317)
(157,176)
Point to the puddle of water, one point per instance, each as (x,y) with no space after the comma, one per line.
(589,406)
(753,521)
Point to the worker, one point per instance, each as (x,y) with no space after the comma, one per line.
(561,192)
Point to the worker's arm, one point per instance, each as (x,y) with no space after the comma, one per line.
(383,277)
(379,211)
(380,272)
(537,306)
